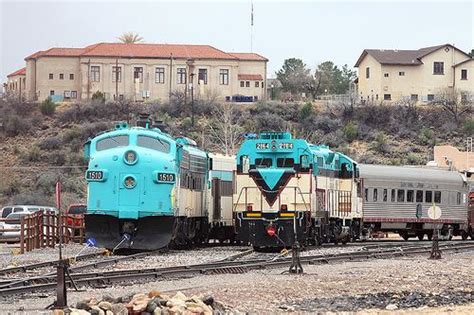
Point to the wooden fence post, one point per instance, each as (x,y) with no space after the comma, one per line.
(22,235)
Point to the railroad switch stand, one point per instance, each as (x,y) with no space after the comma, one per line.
(295,266)
(435,251)
(61,289)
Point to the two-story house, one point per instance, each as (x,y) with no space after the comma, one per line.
(417,75)
(142,72)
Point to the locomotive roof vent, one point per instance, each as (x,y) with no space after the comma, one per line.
(275,135)
(159,124)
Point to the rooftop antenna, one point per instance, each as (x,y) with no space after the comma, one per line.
(251,27)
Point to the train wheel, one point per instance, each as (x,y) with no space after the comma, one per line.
(464,235)
(430,236)
(404,235)
(421,236)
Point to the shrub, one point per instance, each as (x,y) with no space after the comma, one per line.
(380,144)
(33,155)
(306,110)
(426,136)
(98,96)
(32,198)
(468,126)
(15,125)
(47,107)
(414,159)
(350,132)
(51,143)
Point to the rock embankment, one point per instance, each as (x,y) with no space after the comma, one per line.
(153,303)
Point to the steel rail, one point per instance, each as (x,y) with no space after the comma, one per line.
(104,278)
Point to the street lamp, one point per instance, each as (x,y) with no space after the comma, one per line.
(272,86)
(191,87)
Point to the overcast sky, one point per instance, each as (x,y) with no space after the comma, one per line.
(314,31)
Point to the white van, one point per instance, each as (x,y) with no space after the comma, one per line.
(25,209)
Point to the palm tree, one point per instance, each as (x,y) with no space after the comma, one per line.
(130,38)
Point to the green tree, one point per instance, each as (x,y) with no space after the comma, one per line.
(332,80)
(294,76)
(130,38)
(471,53)
(47,107)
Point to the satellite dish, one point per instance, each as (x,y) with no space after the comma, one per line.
(434,212)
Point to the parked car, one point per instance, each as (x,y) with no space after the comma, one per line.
(77,211)
(25,209)
(10,228)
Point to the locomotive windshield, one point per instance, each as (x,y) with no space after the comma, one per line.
(112,142)
(263,163)
(153,143)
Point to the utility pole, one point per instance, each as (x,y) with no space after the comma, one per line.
(192,98)
(251,29)
(116,79)
(89,80)
(171,75)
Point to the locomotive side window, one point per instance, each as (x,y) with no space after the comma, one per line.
(320,161)
(285,162)
(392,197)
(410,195)
(419,196)
(111,142)
(153,143)
(385,195)
(366,194)
(401,195)
(375,195)
(429,196)
(263,163)
(437,197)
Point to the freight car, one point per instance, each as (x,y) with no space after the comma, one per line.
(147,189)
(288,189)
(397,199)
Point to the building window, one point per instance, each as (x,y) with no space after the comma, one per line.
(160,75)
(401,73)
(430,97)
(255,98)
(116,74)
(257,84)
(438,67)
(247,83)
(181,79)
(73,94)
(224,76)
(386,75)
(464,74)
(414,97)
(51,93)
(138,74)
(95,73)
(464,96)
(387,97)
(51,76)
(262,84)
(202,76)
(67,94)
(376,97)
(71,76)
(242,83)
(61,76)
(367,72)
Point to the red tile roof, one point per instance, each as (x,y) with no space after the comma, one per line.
(401,57)
(147,51)
(21,71)
(250,77)
(249,56)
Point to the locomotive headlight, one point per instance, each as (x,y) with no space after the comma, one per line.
(129,182)
(130,157)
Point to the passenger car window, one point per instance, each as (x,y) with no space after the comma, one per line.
(419,196)
(263,163)
(392,197)
(458,198)
(111,142)
(366,194)
(374,197)
(401,195)
(153,143)
(429,196)
(437,196)
(410,195)
(385,195)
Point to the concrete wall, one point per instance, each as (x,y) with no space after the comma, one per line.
(461,161)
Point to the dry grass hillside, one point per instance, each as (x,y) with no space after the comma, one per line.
(41,143)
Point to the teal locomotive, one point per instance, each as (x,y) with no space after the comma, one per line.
(146,189)
(288,189)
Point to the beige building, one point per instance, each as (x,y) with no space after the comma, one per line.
(16,83)
(450,157)
(144,72)
(418,75)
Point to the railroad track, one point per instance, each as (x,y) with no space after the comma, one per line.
(105,278)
